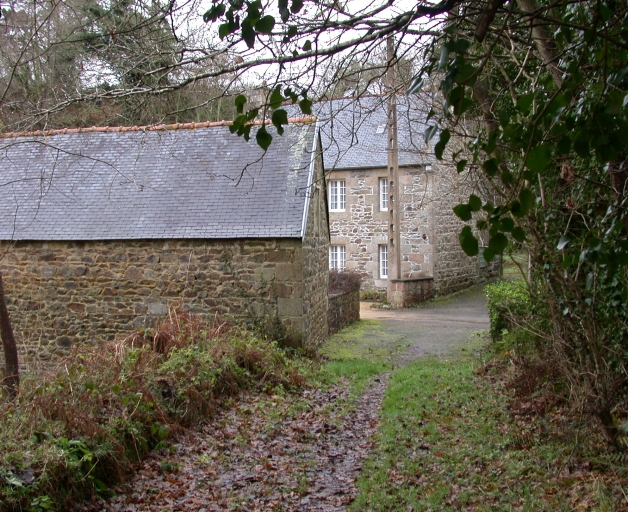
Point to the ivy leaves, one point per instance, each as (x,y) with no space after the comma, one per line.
(468,241)
(243,123)
(284,12)
(538,158)
(521,126)
(247,19)
(499,221)
(445,135)
(464,211)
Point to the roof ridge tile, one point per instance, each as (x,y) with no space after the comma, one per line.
(147,128)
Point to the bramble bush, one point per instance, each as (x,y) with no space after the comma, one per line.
(518,319)
(508,303)
(75,432)
(343,281)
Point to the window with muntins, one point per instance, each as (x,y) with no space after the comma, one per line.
(383,261)
(337,257)
(383,194)
(337,196)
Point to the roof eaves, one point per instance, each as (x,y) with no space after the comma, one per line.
(155,238)
(369,167)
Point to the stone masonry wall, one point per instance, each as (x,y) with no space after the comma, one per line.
(417,229)
(362,227)
(429,228)
(405,293)
(344,309)
(316,264)
(454,270)
(62,293)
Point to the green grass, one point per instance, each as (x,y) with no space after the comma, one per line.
(355,372)
(358,353)
(446,442)
(515,266)
(365,340)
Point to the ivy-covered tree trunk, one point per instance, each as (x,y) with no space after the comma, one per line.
(11,365)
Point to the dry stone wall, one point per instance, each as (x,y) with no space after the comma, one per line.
(63,293)
(344,309)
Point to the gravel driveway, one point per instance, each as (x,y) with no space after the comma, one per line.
(439,328)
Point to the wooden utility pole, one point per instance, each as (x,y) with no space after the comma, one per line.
(394,232)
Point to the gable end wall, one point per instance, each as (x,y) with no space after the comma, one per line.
(453,269)
(316,263)
(429,227)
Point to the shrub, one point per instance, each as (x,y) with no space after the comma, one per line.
(513,319)
(343,281)
(76,431)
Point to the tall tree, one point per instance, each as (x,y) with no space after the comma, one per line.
(547,83)
(11,378)
(90,62)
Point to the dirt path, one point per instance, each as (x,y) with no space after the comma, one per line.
(296,452)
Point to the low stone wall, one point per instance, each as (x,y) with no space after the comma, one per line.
(409,292)
(344,309)
(63,293)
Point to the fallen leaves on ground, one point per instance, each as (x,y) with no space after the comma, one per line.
(298,451)
(449,439)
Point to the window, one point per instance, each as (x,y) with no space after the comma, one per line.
(383,194)
(337,256)
(337,196)
(383,261)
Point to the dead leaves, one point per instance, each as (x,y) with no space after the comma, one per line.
(285,452)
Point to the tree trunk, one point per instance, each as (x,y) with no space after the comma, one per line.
(11,366)
(543,41)
(608,424)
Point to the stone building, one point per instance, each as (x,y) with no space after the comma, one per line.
(104,229)
(354,137)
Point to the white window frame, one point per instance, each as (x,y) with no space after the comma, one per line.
(383,194)
(337,257)
(337,196)
(383,261)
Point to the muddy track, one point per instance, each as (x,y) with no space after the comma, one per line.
(300,452)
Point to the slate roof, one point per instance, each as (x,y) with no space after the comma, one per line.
(354,131)
(190,182)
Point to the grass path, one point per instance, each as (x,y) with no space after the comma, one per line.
(447,441)
(374,432)
(452,438)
